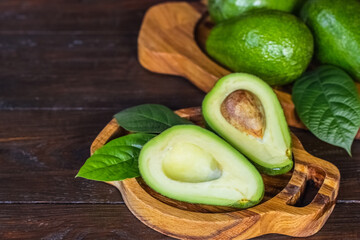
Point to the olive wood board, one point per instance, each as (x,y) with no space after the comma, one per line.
(172,39)
(279,212)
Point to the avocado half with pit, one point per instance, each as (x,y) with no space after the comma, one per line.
(245,111)
(191,164)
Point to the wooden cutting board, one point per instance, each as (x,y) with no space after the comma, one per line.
(282,210)
(171,41)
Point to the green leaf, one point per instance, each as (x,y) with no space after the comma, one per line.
(328,103)
(133,140)
(149,118)
(116,160)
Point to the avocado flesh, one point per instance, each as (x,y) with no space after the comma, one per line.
(336,28)
(191,164)
(271,150)
(221,10)
(273,45)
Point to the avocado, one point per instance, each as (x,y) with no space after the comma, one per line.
(221,10)
(273,45)
(191,164)
(336,28)
(245,111)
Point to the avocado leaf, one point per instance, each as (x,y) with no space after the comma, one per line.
(116,160)
(149,118)
(328,103)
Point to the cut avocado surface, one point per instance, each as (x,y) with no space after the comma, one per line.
(191,164)
(245,111)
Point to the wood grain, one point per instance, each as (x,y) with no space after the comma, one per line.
(281,213)
(65,55)
(66,67)
(115,221)
(170,42)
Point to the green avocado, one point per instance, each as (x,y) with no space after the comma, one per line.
(191,164)
(336,28)
(245,111)
(221,10)
(273,45)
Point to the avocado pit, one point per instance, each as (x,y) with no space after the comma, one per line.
(186,162)
(244,111)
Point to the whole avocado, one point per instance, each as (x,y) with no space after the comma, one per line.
(336,28)
(273,45)
(221,10)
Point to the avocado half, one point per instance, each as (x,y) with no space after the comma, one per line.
(191,164)
(245,111)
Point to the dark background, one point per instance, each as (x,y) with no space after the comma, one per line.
(66,66)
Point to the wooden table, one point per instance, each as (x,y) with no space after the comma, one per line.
(66,66)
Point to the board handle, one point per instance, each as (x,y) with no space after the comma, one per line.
(302,221)
(166,44)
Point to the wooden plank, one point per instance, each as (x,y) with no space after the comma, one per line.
(47,140)
(103,221)
(94,221)
(67,15)
(79,55)
(54,187)
(91,91)
(41,152)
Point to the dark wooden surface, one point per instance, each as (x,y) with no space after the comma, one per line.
(66,66)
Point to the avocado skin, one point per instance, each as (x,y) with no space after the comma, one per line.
(273,45)
(336,28)
(221,10)
(273,171)
(249,203)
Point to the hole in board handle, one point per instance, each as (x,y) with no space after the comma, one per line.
(309,189)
